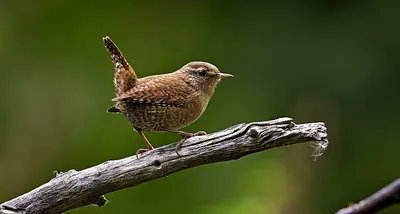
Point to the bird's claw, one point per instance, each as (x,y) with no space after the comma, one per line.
(140,151)
(179,145)
(199,133)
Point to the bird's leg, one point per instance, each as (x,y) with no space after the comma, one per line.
(149,146)
(184,135)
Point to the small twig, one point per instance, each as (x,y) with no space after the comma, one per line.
(385,197)
(79,188)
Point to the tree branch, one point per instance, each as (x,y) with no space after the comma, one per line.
(79,188)
(385,197)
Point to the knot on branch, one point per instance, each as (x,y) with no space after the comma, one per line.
(253,133)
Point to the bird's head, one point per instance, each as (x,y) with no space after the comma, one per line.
(202,76)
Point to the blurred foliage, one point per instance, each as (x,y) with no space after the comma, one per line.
(331,61)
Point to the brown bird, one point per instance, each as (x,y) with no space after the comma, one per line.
(165,102)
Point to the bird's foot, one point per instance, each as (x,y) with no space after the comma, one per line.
(149,146)
(186,135)
(199,133)
(140,151)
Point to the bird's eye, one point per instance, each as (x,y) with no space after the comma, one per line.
(202,73)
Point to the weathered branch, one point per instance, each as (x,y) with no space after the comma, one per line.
(79,188)
(385,197)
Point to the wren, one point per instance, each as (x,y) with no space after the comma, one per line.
(165,102)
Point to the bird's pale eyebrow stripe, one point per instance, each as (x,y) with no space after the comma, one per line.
(199,69)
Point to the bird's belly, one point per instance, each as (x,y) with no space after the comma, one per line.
(158,118)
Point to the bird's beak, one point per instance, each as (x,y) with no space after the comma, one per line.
(222,75)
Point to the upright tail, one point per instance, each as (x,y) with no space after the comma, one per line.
(124,76)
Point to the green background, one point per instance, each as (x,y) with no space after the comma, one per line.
(331,61)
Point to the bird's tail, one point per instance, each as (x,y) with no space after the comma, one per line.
(113,109)
(124,76)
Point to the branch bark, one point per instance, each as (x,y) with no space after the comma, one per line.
(385,197)
(79,188)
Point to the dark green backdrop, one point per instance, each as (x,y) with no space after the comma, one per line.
(331,61)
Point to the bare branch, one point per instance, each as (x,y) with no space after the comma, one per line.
(79,188)
(385,197)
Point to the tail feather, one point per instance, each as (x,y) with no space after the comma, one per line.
(113,109)
(124,76)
